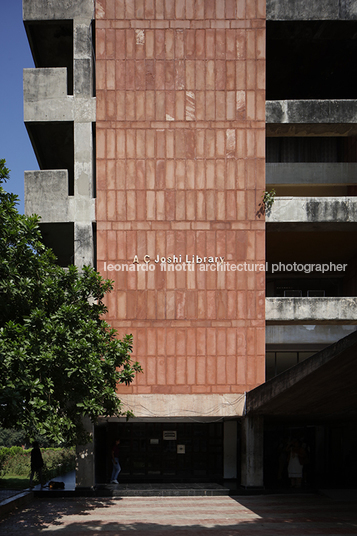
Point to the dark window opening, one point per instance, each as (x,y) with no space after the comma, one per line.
(311,149)
(53,143)
(51,44)
(94,160)
(304,287)
(278,362)
(311,60)
(60,238)
(93,55)
(94,230)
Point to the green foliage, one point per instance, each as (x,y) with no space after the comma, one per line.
(268,199)
(59,360)
(10,437)
(15,461)
(14,482)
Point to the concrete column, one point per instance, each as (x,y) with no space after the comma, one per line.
(83,244)
(230,449)
(252,452)
(83,74)
(83,201)
(83,165)
(320,454)
(85,460)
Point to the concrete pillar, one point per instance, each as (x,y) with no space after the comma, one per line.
(83,65)
(252,452)
(83,201)
(85,460)
(230,449)
(320,454)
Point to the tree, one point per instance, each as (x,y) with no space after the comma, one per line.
(59,360)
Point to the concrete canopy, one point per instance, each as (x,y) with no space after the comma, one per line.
(321,388)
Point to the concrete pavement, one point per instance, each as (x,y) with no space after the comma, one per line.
(272,515)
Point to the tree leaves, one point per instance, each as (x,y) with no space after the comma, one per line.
(59,360)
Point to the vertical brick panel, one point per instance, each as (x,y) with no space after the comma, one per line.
(180,171)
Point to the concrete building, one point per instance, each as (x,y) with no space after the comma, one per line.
(158,126)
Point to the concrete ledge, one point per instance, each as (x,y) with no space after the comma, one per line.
(313,209)
(184,406)
(16,501)
(57,9)
(42,84)
(46,99)
(311,111)
(326,173)
(311,10)
(49,110)
(311,310)
(46,194)
(45,95)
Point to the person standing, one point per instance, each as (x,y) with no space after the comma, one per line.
(295,465)
(36,463)
(115,460)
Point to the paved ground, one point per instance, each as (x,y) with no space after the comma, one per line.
(6,493)
(273,515)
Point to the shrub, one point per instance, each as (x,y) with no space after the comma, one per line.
(17,462)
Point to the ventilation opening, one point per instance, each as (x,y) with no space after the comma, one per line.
(51,45)
(311,60)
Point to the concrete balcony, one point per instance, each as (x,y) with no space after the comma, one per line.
(311,111)
(324,173)
(46,194)
(46,99)
(55,9)
(307,10)
(45,95)
(311,310)
(313,210)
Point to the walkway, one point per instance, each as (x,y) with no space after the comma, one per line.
(267,515)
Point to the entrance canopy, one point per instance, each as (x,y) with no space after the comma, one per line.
(321,388)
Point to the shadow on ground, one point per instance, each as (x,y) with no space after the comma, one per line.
(211,516)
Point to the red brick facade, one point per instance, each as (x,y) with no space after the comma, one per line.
(181,171)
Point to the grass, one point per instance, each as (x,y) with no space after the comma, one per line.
(14,482)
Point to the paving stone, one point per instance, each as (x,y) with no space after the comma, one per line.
(271,515)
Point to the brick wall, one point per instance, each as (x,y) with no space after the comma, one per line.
(181,171)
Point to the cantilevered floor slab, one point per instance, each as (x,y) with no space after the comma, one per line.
(321,388)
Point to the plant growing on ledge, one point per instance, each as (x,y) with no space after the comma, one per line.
(59,360)
(268,199)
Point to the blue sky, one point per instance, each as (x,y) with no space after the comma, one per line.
(15,55)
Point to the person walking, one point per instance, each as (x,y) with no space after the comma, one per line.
(36,463)
(116,464)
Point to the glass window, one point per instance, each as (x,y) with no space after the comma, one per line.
(305,355)
(285,360)
(270,365)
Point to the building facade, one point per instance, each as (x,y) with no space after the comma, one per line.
(155,123)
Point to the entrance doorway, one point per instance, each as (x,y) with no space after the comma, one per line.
(161,452)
